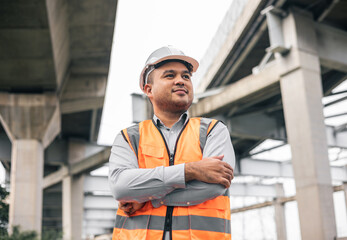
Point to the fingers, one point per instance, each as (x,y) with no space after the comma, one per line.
(214,170)
(130,208)
(227,177)
(228,170)
(125,206)
(220,157)
(226,165)
(128,213)
(225,182)
(229,173)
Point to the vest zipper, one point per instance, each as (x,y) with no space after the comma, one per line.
(169,209)
(171,161)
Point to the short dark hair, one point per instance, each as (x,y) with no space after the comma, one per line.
(150,78)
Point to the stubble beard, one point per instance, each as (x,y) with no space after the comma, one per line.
(175,107)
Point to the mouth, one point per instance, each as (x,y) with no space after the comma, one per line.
(180,91)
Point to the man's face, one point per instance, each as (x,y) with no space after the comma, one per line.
(171,89)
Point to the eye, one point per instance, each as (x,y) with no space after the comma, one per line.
(186,76)
(169,75)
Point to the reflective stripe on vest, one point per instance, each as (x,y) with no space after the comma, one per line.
(208,220)
(179,223)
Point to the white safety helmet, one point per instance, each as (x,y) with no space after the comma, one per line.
(162,54)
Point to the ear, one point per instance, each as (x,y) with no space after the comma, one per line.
(148,90)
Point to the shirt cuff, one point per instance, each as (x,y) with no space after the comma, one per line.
(174,176)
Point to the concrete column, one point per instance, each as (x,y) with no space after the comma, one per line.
(73,189)
(26,188)
(301,90)
(280,219)
(31,122)
(73,196)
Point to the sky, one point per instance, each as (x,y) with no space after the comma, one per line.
(142,27)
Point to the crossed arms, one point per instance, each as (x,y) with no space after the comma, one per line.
(179,185)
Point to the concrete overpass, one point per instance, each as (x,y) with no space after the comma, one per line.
(266,80)
(54,63)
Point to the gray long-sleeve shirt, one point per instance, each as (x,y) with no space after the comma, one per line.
(166,185)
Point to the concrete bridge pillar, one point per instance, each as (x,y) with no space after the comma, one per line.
(26,179)
(280,218)
(301,88)
(31,121)
(73,194)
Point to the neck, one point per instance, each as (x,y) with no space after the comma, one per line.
(168,118)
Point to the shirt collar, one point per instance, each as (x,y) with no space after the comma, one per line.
(183,118)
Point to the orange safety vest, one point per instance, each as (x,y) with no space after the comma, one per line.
(208,220)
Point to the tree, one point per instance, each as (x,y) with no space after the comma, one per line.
(3,211)
(17,235)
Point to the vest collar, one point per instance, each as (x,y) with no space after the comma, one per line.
(181,121)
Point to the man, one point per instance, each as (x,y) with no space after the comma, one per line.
(171,174)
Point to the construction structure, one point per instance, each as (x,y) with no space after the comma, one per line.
(54,64)
(267,81)
(265,75)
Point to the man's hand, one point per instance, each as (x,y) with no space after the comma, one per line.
(210,170)
(130,207)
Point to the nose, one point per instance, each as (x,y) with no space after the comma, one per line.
(179,81)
